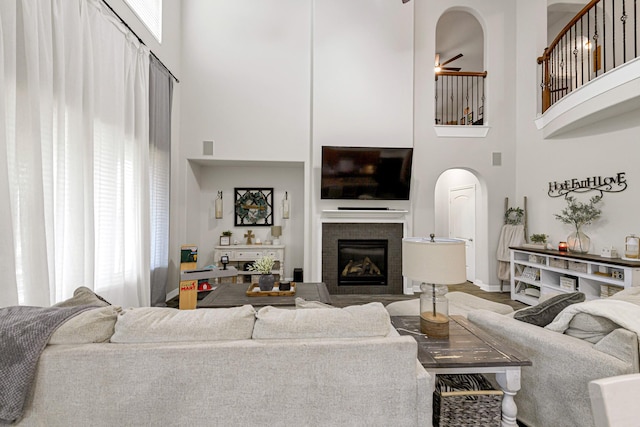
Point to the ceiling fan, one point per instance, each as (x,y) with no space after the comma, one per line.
(441,66)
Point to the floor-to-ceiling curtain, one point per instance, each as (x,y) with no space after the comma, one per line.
(74,131)
(160,99)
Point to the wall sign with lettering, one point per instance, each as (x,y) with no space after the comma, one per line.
(603,184)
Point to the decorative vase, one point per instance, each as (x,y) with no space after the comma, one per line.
(266,282)
(579,242)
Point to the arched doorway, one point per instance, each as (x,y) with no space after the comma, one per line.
(459,208)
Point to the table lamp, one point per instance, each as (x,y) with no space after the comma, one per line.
(276,232)
(436,262)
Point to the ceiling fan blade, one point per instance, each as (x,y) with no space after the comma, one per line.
(450,68)
(458,56)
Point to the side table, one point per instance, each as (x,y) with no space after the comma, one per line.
(468,350)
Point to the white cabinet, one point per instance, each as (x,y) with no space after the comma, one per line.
(535,272)
(239,255)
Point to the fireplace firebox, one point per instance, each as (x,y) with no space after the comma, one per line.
(362,262)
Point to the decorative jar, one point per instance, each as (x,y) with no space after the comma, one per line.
(579,242)
(266,282)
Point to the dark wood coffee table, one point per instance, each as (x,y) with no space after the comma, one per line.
(468,350)
(234,294)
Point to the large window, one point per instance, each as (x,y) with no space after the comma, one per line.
(150,13)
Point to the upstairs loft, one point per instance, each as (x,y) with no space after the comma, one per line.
(591,70)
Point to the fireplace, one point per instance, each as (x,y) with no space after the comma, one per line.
(387,257)
(362,262)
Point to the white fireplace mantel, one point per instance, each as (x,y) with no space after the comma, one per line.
(365,215)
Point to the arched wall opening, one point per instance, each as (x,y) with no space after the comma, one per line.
(460,197)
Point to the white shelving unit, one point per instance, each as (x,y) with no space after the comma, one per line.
(535,272)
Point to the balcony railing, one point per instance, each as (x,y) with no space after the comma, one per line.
(460,98)
(602,36)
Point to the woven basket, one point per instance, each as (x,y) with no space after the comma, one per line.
(466,400)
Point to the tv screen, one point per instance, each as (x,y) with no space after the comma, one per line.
(366,173)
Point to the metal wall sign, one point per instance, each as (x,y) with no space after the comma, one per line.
(603,184)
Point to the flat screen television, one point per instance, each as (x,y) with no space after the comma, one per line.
(365,173)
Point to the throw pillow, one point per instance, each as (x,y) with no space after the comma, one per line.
(368,320)
(590,328)
(91,326)
(83,296)
(161,324)
(544,313)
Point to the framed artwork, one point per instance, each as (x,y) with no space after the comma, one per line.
(480,111)
(470,118)
(225,240)
(253,207)
(462,120)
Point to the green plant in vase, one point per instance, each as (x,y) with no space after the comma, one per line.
(538,239)
(264,266)
(578,214)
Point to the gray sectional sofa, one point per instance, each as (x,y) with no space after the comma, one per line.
(275,367)
(586,341)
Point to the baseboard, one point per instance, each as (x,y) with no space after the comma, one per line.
(489,288)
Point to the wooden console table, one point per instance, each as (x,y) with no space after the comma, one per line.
(468,350)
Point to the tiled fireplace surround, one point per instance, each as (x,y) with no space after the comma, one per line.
(334,231)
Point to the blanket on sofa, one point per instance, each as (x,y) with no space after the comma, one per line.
(24,333)
(624,313)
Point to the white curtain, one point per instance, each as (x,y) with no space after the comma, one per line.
(74,141)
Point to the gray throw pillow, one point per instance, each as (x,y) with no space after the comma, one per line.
(544,313)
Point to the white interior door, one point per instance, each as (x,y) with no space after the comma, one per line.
(462,223)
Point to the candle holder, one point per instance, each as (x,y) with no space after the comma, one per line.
(563,247)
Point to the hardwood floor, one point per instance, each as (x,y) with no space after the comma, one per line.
(470,288)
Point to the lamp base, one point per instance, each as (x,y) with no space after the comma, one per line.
(434,326)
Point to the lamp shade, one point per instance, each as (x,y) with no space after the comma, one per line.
(276,231)
(439,261)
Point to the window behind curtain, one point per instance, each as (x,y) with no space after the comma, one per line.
(150,13)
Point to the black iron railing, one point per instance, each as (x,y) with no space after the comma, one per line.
(460,98)
(602,36)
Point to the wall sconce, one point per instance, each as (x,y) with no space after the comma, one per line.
(285,206)
(218,205)
(276,232)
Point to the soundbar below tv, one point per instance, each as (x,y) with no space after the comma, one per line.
(365,173)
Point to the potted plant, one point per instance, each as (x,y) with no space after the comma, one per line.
(578,214)
(264,266)
(538,239)
(225,239)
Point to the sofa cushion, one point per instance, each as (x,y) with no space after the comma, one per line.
(90,326)
(368,320)
(303,303)
(83,296)
(544,313)
(590,328)
(160,324)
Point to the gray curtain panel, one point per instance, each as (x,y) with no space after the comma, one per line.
(160,99)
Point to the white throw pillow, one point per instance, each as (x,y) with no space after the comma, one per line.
(369,320)
(159,324)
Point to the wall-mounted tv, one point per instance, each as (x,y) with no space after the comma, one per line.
(365,173)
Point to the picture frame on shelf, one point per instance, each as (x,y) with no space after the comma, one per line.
(225,240)
(462,120)
(470,118)
(253,207)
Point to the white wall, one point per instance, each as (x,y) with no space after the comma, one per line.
(602,149)
(225,177)
(438,154)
